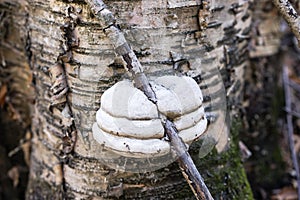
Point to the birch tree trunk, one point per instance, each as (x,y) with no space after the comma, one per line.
(15,90)
(66,42)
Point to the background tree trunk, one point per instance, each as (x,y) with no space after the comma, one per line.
(65,157)
(265,113)
(16,95)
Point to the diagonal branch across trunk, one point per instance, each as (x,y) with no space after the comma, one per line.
(133,65)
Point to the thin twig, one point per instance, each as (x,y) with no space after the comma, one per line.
(289,120)
(186,163)
(294,85)
(295,114)
(290,15)
(122,48)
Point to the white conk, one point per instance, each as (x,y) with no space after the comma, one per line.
(131,125)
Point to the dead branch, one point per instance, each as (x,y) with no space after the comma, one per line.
(122,48)
(295,85)
(290,15)
(186,164)
(295,114)
(289,120)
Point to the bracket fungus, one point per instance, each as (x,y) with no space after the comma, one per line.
(131,125)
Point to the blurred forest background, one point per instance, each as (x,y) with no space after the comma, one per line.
(264,139)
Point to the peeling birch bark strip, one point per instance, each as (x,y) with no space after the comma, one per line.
(186,164)
(290,15)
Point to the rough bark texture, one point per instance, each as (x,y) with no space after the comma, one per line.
(15,99)
(265,30)
(169,37)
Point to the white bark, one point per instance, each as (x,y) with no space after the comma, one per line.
(169,37)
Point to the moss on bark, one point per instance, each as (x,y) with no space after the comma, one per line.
(223,172)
